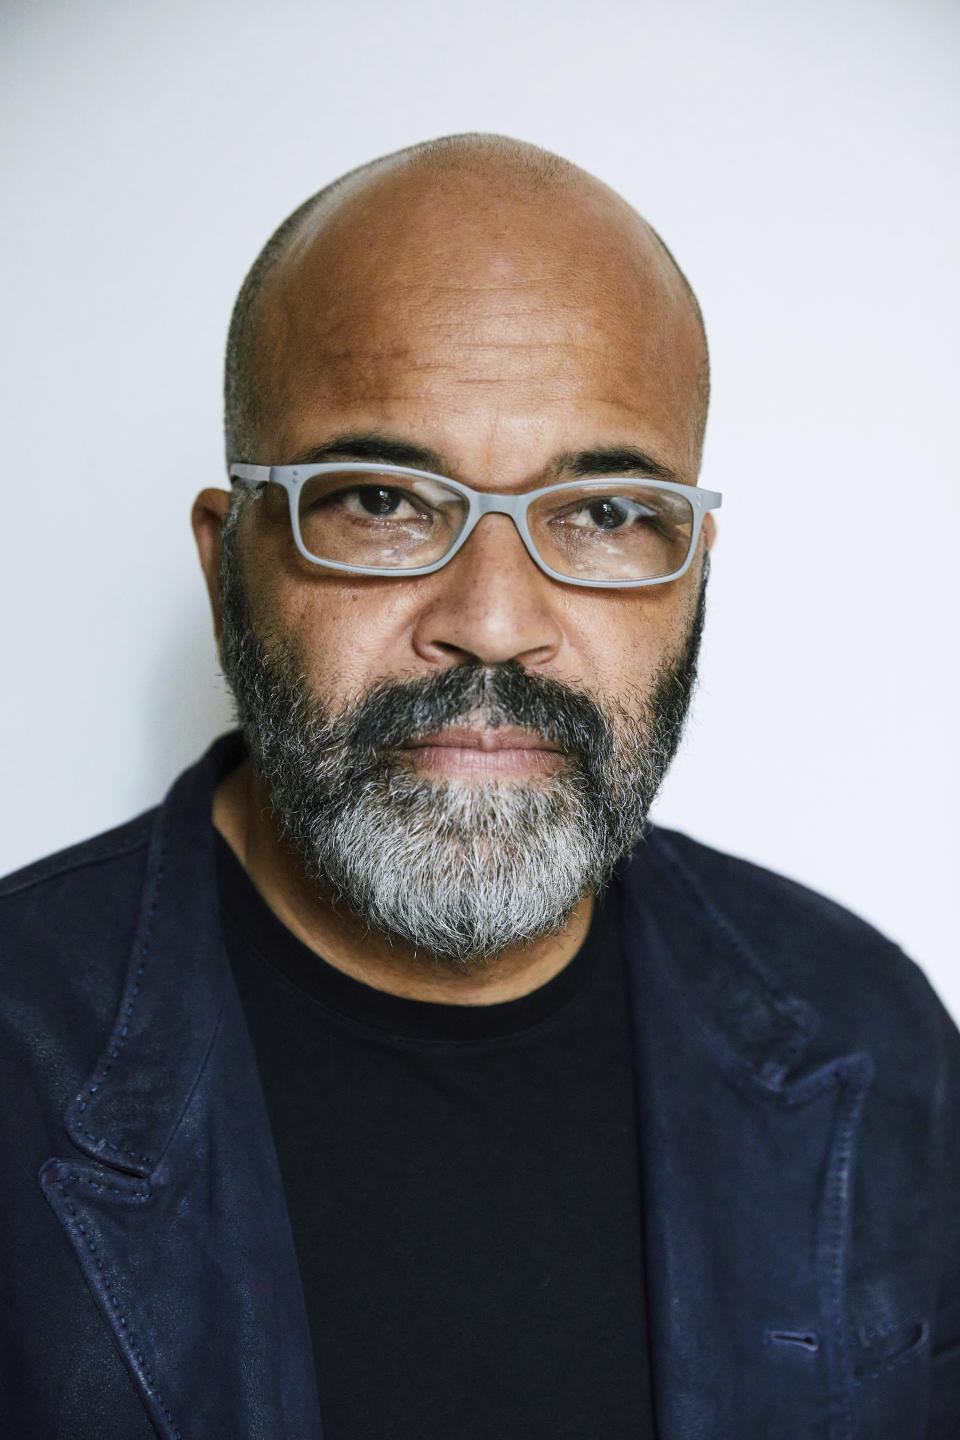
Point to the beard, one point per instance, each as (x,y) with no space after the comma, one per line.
(457,870)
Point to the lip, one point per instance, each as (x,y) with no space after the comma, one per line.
(488,740)
(465,751)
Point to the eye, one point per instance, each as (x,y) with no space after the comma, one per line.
(606,513)
(383,502)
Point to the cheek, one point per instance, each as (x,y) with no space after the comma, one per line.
(342,631)
(345,635)
(623,639)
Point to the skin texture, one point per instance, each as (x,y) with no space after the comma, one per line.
(502,324)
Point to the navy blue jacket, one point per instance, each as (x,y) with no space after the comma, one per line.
(799,1093)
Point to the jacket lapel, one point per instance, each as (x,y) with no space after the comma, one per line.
(748,1144)
(176,1210)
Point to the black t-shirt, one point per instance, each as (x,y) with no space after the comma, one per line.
(463,1189)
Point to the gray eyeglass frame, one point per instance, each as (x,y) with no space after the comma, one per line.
(479,503)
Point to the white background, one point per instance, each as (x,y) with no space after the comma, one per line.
(801,160)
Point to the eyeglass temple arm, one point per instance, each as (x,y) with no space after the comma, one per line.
(253,474)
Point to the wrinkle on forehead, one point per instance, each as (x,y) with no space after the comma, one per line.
(412,279)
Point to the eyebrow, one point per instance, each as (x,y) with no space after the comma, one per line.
(390,450)
(611,460)
(367,445)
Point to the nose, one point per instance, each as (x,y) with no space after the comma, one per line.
(490,603)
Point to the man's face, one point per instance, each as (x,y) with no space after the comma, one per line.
(497,348)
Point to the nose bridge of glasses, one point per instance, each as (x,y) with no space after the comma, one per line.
(487,503)
(514,506)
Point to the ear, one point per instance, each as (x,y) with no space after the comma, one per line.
(207,517)
(709,529)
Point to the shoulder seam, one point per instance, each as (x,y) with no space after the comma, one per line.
(774,880)
(74,862)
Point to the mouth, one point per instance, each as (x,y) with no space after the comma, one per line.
(484,753)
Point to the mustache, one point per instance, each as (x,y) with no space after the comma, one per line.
(395,713)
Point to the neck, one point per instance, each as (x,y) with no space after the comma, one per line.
(242,815)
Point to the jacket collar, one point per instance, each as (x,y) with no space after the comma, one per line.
(748,1134)
(745,1016)
(177,981)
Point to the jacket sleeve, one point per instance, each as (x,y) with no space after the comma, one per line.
(945,1339)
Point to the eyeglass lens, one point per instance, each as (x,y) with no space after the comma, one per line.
(625,531)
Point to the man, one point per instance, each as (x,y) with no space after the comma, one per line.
(429,1089)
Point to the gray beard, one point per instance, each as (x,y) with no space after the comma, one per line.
(457,870)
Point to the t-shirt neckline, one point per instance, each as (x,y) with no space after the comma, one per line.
(245,909)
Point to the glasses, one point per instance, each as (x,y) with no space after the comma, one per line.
(390,520)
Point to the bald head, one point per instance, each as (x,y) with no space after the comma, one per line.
(478,235)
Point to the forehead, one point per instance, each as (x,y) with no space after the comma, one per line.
(481,307)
